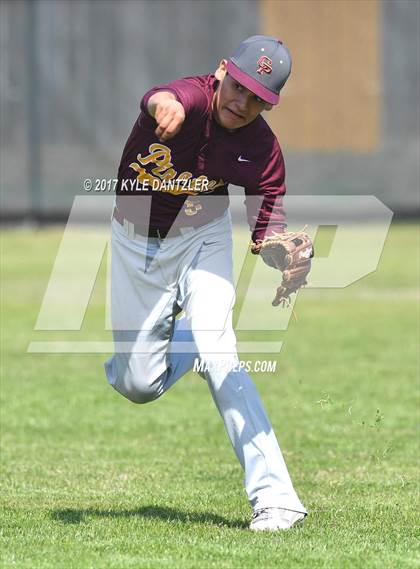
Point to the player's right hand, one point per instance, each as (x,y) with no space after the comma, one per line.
(169,115)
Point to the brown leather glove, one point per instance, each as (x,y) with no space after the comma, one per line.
(291,253)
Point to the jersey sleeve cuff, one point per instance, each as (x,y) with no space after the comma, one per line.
(260,233)
(145,100)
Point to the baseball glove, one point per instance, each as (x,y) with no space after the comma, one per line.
(291,253)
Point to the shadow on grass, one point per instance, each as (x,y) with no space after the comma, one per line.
(73,516)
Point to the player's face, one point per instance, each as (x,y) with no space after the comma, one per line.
(234,105)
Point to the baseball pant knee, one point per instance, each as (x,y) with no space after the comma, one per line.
(131,377)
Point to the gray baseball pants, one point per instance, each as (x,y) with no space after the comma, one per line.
(153,280)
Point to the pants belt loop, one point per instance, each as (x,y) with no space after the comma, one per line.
(128,228)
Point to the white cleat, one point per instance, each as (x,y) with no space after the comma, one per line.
(273,519)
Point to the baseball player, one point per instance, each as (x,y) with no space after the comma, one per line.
(172,251)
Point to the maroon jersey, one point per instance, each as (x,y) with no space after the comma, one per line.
(182,174)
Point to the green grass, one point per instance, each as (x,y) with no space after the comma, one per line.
(90,480)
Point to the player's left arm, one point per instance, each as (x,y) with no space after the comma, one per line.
(288,252)
(264,201)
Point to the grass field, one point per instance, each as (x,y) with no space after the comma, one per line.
(90,480)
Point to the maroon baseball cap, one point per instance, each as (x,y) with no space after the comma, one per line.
(262,64)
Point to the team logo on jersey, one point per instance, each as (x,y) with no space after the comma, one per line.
(265,65)
(164,178)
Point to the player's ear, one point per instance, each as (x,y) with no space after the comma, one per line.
(268,107)
(221,70)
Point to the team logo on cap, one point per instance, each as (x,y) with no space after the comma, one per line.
(265,65)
